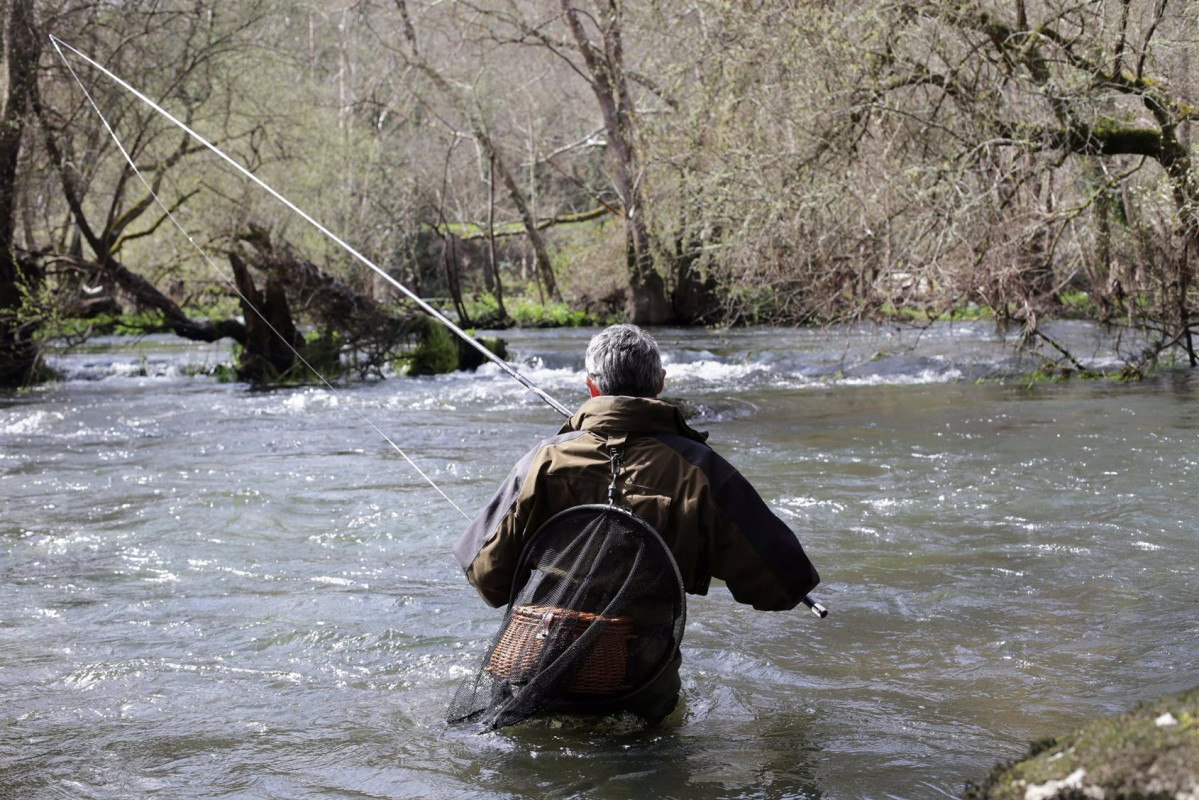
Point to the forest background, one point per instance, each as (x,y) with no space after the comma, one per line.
(580,161)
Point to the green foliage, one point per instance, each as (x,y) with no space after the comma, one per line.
(79,328)
(532,314)
(437,351)
(1078,305)
(484,311)
(214,306)
(969,312)
(527,312)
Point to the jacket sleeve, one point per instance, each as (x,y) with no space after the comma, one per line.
(489,549)
(747,546)
(757,556)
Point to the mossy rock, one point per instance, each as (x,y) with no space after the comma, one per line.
(440,351)
(437,352)
(1149,753)
(471,359)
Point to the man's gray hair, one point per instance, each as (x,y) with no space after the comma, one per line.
(624,360)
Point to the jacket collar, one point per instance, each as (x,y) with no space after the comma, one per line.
(610,414)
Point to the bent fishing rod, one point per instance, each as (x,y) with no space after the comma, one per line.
(60,45)
(432,311)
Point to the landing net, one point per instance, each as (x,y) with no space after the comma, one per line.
(597,615)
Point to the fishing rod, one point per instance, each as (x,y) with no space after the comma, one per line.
(60,45)
(232,284)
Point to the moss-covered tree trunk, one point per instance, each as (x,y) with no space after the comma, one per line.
(272,341)
(19,279)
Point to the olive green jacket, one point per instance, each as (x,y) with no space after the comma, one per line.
(710,517)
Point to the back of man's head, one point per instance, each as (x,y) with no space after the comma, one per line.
(624,360)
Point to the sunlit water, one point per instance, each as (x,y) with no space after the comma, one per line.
(211,592)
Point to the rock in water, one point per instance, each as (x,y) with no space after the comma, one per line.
(1149,753)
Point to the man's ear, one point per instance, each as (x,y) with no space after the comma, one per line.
(662,383)
(591,387)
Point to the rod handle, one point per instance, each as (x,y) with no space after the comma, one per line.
(817,609)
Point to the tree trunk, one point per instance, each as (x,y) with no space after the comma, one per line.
(696,299)
(1186,275)
(19,281)
(493,260)
(1178,164)
(545,272)
(147,296)
(449,258)
(648,303)
(271,337)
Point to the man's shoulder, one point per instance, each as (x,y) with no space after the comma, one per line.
(550,445)
(715,468)
(562,437)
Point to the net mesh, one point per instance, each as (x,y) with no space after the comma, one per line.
(597,616)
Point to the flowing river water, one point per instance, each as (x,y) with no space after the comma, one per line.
(211,592)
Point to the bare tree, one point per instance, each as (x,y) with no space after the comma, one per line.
(601,47)
(572,42)
(461,100)
(1052,83)
(114,207)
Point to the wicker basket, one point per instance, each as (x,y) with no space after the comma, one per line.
(530,629)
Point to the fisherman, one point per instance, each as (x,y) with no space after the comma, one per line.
(709,516)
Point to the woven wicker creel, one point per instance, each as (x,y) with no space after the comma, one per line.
(531,629)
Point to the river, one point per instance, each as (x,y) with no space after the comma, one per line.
(212,592)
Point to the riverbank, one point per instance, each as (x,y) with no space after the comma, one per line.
(1149,753)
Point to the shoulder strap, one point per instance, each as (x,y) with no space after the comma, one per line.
(616,446)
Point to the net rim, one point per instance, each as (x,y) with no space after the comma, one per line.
(599,510)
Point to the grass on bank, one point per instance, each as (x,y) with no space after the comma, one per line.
(525,311)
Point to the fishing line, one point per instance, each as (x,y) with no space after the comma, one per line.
(816,608)
(212,264)
(433,312)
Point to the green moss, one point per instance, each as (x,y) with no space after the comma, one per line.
(1132,755)
(1055,371)
(470,359)
(437,352)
